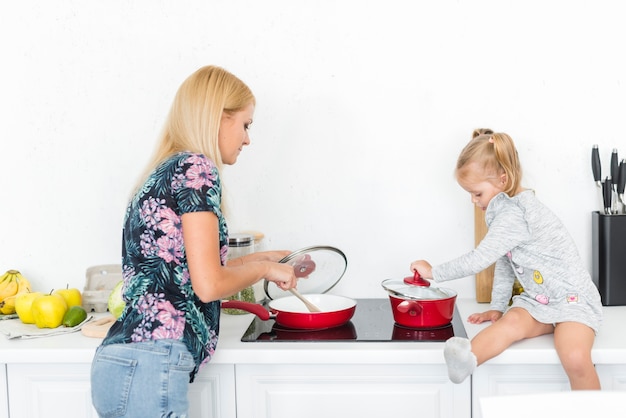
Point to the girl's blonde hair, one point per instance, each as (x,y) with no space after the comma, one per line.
(495,154)
(194,119)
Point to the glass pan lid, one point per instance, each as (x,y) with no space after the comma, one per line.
(318,269)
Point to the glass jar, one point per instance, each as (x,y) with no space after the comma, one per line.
(238,246)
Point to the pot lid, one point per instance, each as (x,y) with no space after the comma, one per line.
(318,269)
(402,289)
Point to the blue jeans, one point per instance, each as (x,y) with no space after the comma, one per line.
(147,379)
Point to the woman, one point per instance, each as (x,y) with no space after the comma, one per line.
(175,242)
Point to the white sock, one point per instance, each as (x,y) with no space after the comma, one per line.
(459,358)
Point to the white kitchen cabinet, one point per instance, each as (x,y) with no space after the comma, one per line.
(496,380)
(212,394)
(612,376)
(49,391)
(63,390)
(364,391)
(4,396)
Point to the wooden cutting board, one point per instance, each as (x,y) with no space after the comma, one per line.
(484,279)
(98,328)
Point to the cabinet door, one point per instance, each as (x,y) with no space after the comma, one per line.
(50,390)
(212,394)
(493,380)
(612,376)
(364,391)
(4,400)
(63,390)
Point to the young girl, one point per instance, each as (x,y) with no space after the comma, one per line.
(174,247)
(528,242)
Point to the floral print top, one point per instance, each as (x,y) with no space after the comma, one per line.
(160,302)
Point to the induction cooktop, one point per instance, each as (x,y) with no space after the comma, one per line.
(372,322)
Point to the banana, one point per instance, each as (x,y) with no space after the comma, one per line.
(10,289)
(12,285)
(7,306)
(4,282)
(23,284)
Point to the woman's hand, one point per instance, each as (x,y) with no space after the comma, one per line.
(282,275)
(274,256)
(479,318)
(423,267)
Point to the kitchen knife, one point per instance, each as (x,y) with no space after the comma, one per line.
(614,168)
(595,165)
(621,181)
(607,192)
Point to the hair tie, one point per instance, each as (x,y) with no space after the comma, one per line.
(491,140)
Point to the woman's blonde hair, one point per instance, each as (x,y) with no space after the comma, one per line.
(194,119)
(495,154)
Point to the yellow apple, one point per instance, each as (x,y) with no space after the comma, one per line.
(23,304)
(72,296)
(48,310)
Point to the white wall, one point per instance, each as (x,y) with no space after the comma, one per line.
(362,109)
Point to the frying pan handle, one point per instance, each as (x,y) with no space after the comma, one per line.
(409,306)
(253,308)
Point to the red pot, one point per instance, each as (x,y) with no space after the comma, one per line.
(416,305)
(290,312)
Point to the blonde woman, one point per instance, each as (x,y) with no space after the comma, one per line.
(528,242)
(175,241)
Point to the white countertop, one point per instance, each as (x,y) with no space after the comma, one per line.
(609,347)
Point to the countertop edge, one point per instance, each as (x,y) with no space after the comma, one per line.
(609,347)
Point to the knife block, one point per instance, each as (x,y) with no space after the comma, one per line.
(608,234)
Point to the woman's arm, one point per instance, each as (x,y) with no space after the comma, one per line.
(212,281)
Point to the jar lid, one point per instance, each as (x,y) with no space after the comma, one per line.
(318,269)
(240,240)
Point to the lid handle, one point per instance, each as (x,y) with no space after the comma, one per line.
(416,280)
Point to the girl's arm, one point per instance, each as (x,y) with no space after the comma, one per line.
(212,281)
(506,231)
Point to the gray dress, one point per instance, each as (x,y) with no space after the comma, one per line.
(528,242)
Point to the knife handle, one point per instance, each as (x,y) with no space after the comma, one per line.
(607,191)
(621,177)
(614,167)
(595,164)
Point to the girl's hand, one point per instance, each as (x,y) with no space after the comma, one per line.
(479,318)
(282,275)
(423,267)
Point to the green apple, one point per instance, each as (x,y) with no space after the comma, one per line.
(23,304)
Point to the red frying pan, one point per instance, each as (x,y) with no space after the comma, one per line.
(290,312)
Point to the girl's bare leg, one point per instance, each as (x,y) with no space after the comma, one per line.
(573,342)
(517,324)
(462,357)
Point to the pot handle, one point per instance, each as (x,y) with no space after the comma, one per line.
(409,306)
(253,308)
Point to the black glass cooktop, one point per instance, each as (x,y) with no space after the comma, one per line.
(372,322)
